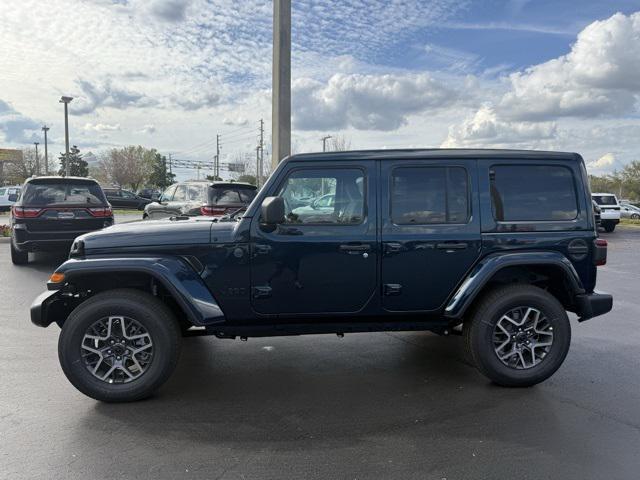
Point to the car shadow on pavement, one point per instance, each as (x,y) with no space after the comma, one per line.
(323,388)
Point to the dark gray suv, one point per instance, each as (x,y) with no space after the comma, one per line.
(200,198)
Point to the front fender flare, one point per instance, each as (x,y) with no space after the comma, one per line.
(172,272)
(490,265)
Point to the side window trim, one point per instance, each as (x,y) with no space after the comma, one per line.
(447,168)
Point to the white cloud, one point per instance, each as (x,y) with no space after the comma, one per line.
(600,76)
(148,129)
(604,163)
(366,102)
(100,127)
(486,129)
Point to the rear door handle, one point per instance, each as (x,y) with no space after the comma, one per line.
(362,247)
(452,246)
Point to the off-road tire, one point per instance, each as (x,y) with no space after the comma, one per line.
(147,310)
(478,334)
(608,226)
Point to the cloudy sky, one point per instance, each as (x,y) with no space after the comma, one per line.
(170,74)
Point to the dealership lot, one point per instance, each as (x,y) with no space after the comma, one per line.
(384,405)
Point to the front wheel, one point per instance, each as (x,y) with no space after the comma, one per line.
(518,336)
(119,346)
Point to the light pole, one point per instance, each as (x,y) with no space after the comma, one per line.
(324,142)
(66,101)
(37,159)
(281,90)
(45,129)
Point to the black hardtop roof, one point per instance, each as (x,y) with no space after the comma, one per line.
(437,153)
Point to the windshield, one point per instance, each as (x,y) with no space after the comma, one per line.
(62,193)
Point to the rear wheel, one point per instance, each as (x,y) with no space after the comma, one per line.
(119,346)
(518,336)
(18,257)
(635,216)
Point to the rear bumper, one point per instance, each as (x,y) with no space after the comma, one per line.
(26,241)
(593,305)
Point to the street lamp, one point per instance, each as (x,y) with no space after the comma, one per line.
(66,101)
(45,129)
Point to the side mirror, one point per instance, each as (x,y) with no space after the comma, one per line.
(273,210)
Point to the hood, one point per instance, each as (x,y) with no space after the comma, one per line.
(153,233)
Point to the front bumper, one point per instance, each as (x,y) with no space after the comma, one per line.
(46,307)
(592,305)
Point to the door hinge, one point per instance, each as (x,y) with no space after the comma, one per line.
(261,292)
(392,289)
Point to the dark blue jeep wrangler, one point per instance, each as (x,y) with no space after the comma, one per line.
(496,245)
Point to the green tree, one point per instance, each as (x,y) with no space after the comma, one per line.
(247,179)
(78,167)
(160,177)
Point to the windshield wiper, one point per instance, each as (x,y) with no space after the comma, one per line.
(233,214)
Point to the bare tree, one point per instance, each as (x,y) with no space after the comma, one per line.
(340,143)
(128,166)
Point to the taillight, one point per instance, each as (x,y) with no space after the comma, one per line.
(100,212)
(600,252)
(22,212)
(210,210)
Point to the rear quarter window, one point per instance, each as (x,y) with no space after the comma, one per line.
(533,193)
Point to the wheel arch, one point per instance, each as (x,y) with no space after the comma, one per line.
(171,279)
(549,270)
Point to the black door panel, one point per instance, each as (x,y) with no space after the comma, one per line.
(324,260)
(430,231)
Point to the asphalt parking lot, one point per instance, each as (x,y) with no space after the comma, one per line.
(386,405)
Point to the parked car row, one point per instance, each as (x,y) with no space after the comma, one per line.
(53,211)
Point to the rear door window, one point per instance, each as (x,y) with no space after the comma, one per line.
(181,194)
(62,193)
(533,193)
(429,195)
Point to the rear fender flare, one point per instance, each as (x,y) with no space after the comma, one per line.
(486,268)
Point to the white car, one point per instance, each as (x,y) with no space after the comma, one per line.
(609,210)
(629,211)
(8,196)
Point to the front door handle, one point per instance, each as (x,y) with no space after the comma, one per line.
(355,248)
(452,246)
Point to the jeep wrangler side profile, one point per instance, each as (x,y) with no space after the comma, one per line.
(498,245)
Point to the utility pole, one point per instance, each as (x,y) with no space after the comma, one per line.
(37,159)
(45,129)
(170,172)
(281,78)
(258,166)
(216,170)
(66,101)
(259,174)
(324,142)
